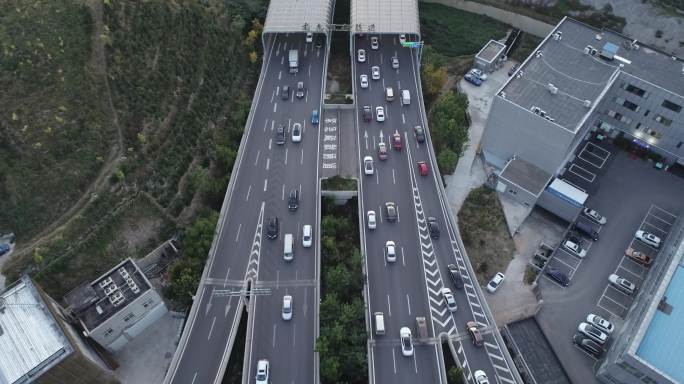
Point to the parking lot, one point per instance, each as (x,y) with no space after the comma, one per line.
(632,195)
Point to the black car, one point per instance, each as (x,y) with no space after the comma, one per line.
(367,113)
(280,135)
(433,226)
(560,277)
(390,211)
(4,248)
(285,92)
(273,227)
(574,237)
(293,200)
(455,276)
(320,40)
(420,133)
(588,345)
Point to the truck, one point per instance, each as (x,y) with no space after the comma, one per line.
(294,60)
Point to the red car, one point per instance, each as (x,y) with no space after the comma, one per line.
(423,168)
(396,141)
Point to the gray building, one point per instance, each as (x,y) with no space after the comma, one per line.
(117,306)
(582,80)
(37,344)
(648,347)
(491,57)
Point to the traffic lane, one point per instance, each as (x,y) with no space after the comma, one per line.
(288,345)
(391,366)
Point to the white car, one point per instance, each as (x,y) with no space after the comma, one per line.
(599,322)
(395,62)
(406,344)
(372,222)
(287,307)
(594,216)
(391,251)
(574,248)
(262,372)
(480,377)
(402,38)
(309,37)
(361,55)
(648,238)
(494,283)
(375,44)
(306,236)
(296,133)
(622,284)
(364,81)
(593,333)
(380,114)
(449,299)
(368,165)
(478,73)
(375,72)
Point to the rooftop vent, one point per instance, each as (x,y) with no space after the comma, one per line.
(557,36)
(99,310)
(599,36)
(503,95)
(587,103)
(519,74)
(538,54)
(553,89)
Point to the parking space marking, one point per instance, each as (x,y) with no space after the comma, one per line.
(620,267)
(664,211)
(590,149)
(614,301)
(653,226)
(654,216)
(608,311)
(553,282)
(622,294)
(577,170)
(585,352)
(641,268)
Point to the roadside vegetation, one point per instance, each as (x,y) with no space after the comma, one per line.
(524,46)
(485,234)
(181,78)
(338,183)
(342,340)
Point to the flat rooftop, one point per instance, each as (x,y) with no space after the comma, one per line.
(491,51)
(526,175)
(385,16)
(95,302)
(663,341)
(578,76)
(31,341)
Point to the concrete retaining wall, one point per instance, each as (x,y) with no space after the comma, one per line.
(524,23)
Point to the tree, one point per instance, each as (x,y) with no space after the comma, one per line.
(455,375)
(447,160)
(434,79)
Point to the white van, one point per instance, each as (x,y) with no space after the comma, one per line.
(389,93)
(288,252)
(405,97)
(379,323)
(306,236)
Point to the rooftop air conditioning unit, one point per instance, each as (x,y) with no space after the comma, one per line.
(599,36)
(587,50)
(99,310)
(542,113)
(535,110)
(553,89)
(538,54)
(557,36)
(503,95)
(519,74)
(587,103)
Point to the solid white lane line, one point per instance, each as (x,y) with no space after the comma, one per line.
(265,184)
(248,191)
(415,363)
(211,329)
(237,236)
(394,361)
(268,163)
(194,377)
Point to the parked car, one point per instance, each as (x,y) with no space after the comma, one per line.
(588,345)
(433,227)
(375,44)
(382,151)
(475,334)
(494,283)
(574,237)
(361,55)
(455,276)
(280,135)
(287,307)
(390,211)
(300,90)
(367,113)
(472,79)
(379,114)
(419,132)
(513,69)
(638,256)
(599,322)
(593,333)
(478,73)
(558,276)
(314,117)
(480,377)
(285,92)
(395,62)
(423,168)
(273,227)
(622,284)
(406,343)
(587,229)
(368,165)
(371,220)
(574,248)
(296,133)
(390,251)
(449,299)
(375,72)
(4,248)
(648,238)
(262,372)
(594,216)
(396,141)
(364,81)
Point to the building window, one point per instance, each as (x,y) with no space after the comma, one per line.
(647,112)
(638,126)
(663,120)
(148,302)
(679,145)
(672,106)
(129,316)
(626,119)
(631,106)
(648,380)
(635,90)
